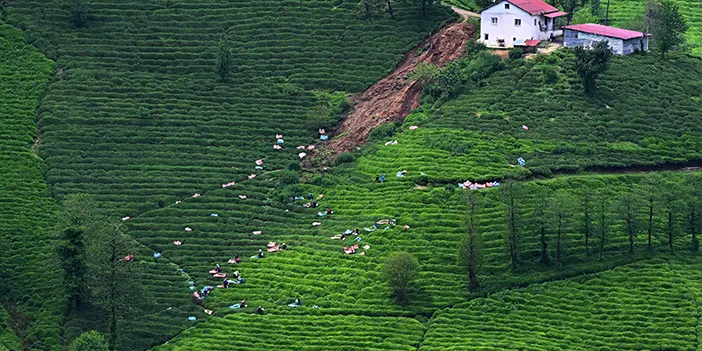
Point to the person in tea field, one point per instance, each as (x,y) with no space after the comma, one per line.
(260,310)
(329,210)
(382,178)
(260,253)
(377,178)
(284,246)
(315,204)
(298,301)
(218,269)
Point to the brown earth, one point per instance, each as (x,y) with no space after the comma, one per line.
(394,97)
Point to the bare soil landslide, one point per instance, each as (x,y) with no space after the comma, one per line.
(394,97)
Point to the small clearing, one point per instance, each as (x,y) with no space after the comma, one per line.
(394,97)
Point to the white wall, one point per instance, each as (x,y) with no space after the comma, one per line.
(505,28)
(589,40)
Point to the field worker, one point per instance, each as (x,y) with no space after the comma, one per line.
(260,253)
(298,301)
(382,178)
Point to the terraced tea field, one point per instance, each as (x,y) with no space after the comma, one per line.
(202,171)
(26,206)
(625,309)
(622,12)
(622,125)
(253,332)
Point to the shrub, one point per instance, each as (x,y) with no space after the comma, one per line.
(549,75)
(89,341)
(382,131)
(484,65)
(289,177)
(400,270)
(515,53)
(346,157)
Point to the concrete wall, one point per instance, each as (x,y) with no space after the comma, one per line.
(572,39)
(505,28)
(631,45)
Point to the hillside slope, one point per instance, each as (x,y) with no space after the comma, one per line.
(27,265)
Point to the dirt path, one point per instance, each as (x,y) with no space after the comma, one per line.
(393,97)
(465,13)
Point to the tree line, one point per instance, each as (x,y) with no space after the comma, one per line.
(656,210)
(97,278)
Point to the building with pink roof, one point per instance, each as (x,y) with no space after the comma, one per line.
(621,41)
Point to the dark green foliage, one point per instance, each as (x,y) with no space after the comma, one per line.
(225,59)
(400,269)
(569,6)
(89,341)
(470,248)
(667,25)
(383,131)
(590,63)
(483,65)
(289,177)
(346,157)
(78,10)
(72,253)
(549,75)
(510,192)
(515,53)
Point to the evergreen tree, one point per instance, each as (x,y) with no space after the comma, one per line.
(562,207)
(628,215)
(470,248)
(541,218)
(667,25)
(72,255)
(603,209)
(225,59)
(510,191)
(586,206)
(590,63)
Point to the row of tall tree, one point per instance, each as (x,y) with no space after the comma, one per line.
(658,210)
(96,277)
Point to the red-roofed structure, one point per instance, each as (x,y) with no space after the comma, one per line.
(605,31)
(621,41)
(534,7)
(507,22)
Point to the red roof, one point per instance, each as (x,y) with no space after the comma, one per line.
(605,31)
(531,42)
(556,14)
(534,7)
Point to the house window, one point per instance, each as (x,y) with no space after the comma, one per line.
(517,22)
(534,21)
(506,6)
(486,36)
(494,21)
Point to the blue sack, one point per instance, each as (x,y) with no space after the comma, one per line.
(157,255)
(323,138)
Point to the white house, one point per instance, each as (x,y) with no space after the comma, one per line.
(508,21)
(621,41)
